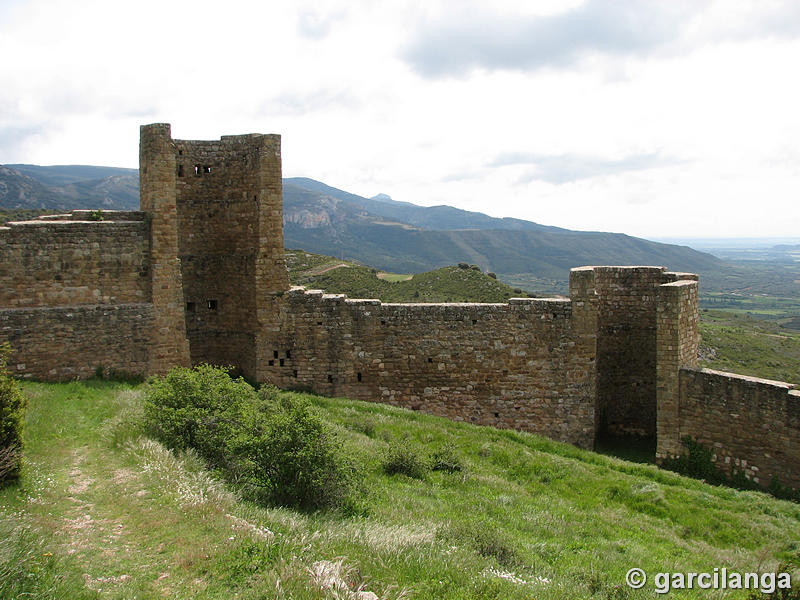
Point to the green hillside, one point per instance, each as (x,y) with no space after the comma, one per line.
(463,283)
(749,346)
(101,512)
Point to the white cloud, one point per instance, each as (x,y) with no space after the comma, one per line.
(655,119)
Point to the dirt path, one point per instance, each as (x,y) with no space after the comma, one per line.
(320,270)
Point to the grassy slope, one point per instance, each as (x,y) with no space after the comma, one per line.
(749,346)
(121,515)
(448,284)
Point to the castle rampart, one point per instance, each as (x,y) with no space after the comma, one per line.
(519,365)
(199,276)
(752,425)
(75,294)
(71,260)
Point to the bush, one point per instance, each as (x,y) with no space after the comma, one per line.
(446,459)
(199,408)
(290,457)
(404,459)
(270,443)
(12,417)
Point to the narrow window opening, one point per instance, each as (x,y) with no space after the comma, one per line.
(190,306)
(430,360)
(319,322)
(274,354)
(180,170)
(358,376)
(497,415)
(474,321)
(280,361)
(180,152)
(294,372)
(271,363)
(288,354)
(330,378)
(197,170)
(383,322)
(206,169)
(212,305)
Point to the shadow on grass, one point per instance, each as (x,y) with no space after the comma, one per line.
(633,448)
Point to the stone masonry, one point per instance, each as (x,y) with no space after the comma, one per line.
(199,276)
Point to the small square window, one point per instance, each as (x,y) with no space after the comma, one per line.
(212,304)
(206,169)
(198,169)
(190,306)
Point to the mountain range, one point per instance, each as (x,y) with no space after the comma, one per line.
(380,232)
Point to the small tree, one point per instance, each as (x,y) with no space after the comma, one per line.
(12,418)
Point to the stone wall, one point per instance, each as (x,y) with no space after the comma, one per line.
(752,425)
(71,260)
(520,365)
(69,342)
(75,294)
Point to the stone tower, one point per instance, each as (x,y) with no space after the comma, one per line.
(217,240)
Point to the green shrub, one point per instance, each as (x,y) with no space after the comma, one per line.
(446,459)
(199,408)
(271,444)
(403,458)
(290,457)
(12,417)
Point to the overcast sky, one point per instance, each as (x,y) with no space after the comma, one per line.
(652,118)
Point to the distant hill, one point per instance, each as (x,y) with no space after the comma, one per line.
(18,190)
(64,187)
(425,217)
(381,232)
(394,237)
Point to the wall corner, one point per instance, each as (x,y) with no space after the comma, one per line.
(677,317)
(157,180)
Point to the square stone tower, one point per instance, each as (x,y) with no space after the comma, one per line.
(217,241)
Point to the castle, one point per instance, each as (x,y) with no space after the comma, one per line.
(198,275)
